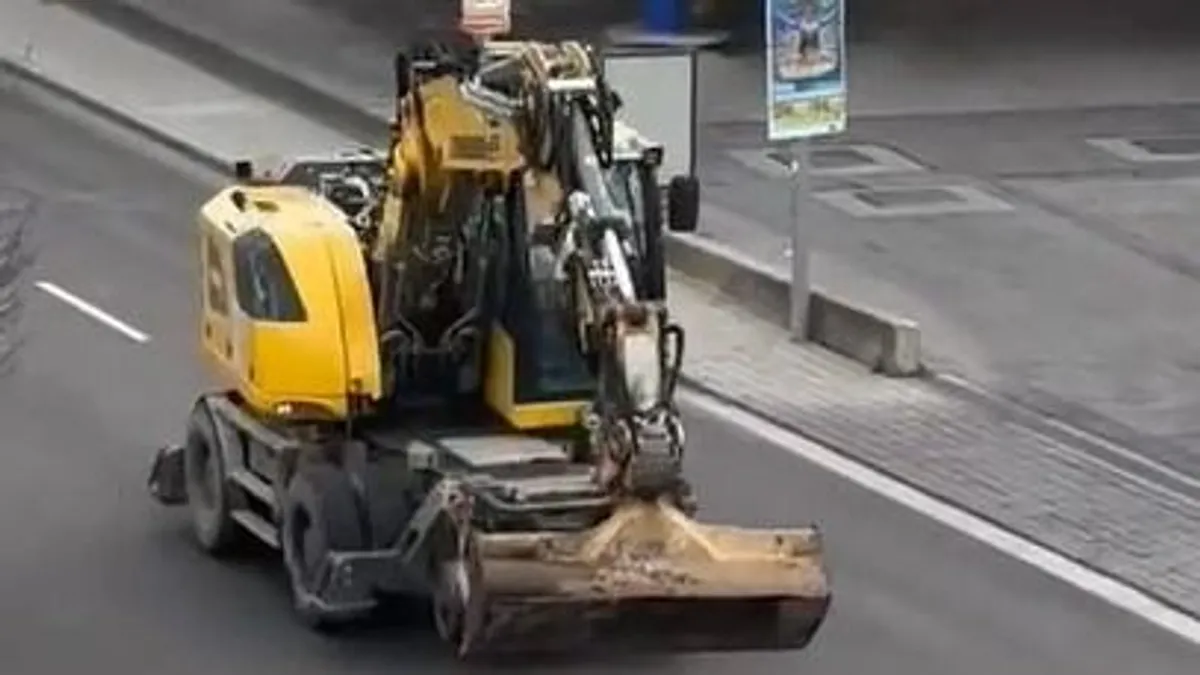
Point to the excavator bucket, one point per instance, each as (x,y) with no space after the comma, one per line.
(648,579)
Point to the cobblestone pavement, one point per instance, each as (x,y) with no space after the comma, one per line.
(982,457)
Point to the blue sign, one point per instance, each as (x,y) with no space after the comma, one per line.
(806,68)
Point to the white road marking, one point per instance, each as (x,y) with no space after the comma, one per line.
(1107,588)
(94,312)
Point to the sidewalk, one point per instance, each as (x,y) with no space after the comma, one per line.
(1037,481)
(66,47)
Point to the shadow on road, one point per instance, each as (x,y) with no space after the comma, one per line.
(16,210)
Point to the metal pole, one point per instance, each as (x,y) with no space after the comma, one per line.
(801,188)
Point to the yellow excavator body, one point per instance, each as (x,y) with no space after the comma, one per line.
(287,319)
(538,500)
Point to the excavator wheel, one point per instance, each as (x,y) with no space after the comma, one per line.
(320,515)
(210,496)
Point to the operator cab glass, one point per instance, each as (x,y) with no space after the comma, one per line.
(624,181)
(265,290)
(548,363)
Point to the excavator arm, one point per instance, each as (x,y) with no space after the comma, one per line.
(564,112)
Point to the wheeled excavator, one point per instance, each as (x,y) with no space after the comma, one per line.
(446,371)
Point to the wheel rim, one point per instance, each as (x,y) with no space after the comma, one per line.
(203,477)
(302,542)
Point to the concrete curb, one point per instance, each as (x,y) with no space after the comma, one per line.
(887,344)
(30,76)
(633,35)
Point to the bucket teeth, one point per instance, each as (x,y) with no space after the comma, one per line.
(648,579)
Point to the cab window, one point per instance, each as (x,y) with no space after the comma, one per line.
(549,366)
(265,289)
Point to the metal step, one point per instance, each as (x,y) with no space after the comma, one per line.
(257,487)
(257,526)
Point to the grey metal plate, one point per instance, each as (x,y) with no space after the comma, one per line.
(1151,150)
(572,484)
(829,161)
(484,452)
(896,202)
(890,199)
(826,158)
(1170,146)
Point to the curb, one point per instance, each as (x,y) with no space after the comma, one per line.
(30,76)
(886,344)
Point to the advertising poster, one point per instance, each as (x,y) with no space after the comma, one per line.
(806,69)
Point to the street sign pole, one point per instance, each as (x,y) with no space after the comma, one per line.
(801,196)
(806,99)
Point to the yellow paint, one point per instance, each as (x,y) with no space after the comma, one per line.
(425,158)
(500,390)
(311,364)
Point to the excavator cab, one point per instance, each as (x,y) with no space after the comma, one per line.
(536,378)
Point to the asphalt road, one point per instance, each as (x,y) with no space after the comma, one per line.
(94,577)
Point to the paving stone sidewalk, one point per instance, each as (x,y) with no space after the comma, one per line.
(978,456)
(981,457)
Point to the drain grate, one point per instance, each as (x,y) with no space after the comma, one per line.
(1150,150)
(821,159)
(1170,146)
(831,161)
(905,197)
(897,202)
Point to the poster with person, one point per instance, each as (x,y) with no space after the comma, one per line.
(806,73)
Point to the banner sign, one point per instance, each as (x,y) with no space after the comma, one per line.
(485,18)
(806,68)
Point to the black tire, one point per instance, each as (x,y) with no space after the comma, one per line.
(683,200)
(321,514)
(653,272)
(211,497)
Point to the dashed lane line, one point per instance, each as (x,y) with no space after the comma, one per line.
(93,311)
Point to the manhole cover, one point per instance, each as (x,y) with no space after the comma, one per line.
(829,161)
(914,201)
(838,158)
(905,197)
(827,158)
(781,158)
(1170,146)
